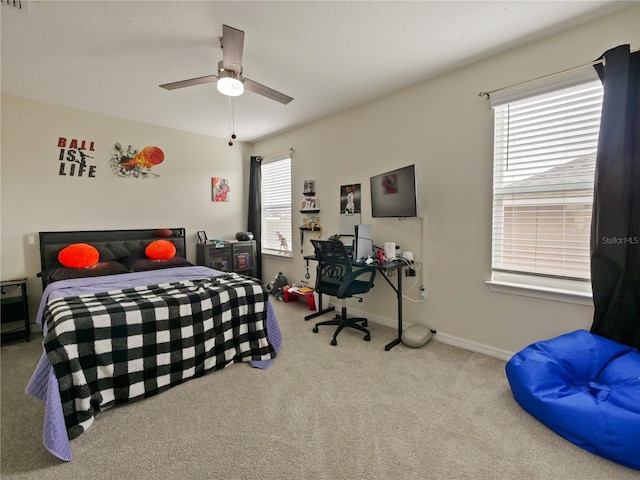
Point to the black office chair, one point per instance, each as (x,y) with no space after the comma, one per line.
(335,277)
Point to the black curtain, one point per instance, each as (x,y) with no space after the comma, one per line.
(615,229)
(254,223)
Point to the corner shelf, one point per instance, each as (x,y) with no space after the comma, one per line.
(310,213)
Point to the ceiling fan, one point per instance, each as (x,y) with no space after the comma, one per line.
(229,78)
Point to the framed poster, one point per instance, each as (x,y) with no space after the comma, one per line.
(220,190)
(350,199)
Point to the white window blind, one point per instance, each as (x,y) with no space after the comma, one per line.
(276,207)
(544,164)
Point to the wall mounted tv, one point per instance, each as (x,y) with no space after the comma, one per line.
(393,194)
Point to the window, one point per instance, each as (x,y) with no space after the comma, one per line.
(544,164)
(276,207)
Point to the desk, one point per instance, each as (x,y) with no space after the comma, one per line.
(385,268)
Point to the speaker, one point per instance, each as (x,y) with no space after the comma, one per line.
(389,250)
(416,336)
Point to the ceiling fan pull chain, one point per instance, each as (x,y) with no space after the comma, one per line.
(232,122)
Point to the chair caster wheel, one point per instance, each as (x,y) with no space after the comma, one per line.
(367,338)
(315,329)
(334,342)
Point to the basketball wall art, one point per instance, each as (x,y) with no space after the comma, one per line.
(76,158)
(133,163)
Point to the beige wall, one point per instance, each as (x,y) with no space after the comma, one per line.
(36,198)
(446,129)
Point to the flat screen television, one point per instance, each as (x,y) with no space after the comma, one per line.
(393,194)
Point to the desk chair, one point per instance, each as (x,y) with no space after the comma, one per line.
(335,277)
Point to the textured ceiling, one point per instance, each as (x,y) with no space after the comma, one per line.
(110,56)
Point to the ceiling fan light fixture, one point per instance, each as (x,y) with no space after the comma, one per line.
(230,83)
(229,79)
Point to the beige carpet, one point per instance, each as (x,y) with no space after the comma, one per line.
(352,411)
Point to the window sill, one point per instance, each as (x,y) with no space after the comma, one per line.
(546,293)
(278,254)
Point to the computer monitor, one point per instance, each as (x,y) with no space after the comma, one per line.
(363,243)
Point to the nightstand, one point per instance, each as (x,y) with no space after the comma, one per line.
(14,309)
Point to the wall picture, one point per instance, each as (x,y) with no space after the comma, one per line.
(133,163)
(350,199)
(220,190)
(73,157)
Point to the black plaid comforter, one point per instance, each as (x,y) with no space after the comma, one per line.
(124,345)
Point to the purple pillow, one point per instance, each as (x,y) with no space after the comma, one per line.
(110,267)
(143,264)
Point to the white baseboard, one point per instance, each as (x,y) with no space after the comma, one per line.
(440,337)
(473,346)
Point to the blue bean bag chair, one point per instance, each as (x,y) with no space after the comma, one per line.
(586,388)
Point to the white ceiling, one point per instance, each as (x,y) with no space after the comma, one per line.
(110,56)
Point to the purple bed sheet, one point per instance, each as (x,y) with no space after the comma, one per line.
(43,384)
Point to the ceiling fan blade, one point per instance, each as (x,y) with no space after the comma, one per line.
(260,89)
(232,45)
(189,83)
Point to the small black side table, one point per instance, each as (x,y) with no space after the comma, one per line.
(14,309)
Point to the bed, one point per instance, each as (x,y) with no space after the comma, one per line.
(129,327)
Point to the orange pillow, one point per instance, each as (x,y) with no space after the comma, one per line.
(78,255)
(160,250)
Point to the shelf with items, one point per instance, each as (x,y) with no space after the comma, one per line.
(310,205)
(311,223)
(229,256)
(244,257)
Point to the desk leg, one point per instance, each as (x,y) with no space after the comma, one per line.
(389,346)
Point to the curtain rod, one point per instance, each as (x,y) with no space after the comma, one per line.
(590,64)
(290,150)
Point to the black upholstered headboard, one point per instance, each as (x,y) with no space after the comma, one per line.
(111,244)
